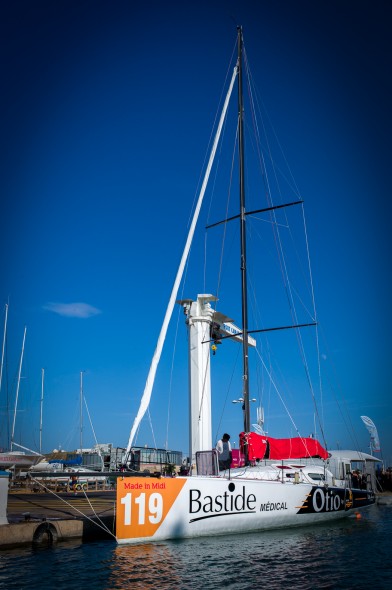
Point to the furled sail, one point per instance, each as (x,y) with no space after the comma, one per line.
(374,440)
(162,335)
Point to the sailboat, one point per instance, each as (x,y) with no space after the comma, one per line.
(281,482)
(16,459)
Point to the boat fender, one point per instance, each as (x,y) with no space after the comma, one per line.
(45,534)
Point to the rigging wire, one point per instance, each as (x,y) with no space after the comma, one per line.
(310,274)
(227,393)
(283,402)
(213,127)
(93,430)
(279,245)
(217,166)
(346,418)
(171,381)
(152,429)
(188,261)
(225,224)
(62,499)
(278,392)
(174,351)
(321,419)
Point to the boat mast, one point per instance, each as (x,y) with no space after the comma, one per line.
(4,341)
(244,289)
(81,412)
(17,389)
(1,369)
(41,407)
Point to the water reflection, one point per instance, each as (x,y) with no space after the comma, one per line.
(142,566)
(345,554)
(295,556)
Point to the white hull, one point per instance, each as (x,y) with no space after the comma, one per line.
(16,459)
(156,510)
(253,498)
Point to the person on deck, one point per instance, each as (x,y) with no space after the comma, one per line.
(223,447)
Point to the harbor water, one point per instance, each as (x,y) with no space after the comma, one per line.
(351,553)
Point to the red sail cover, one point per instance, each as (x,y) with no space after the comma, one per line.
(266,447)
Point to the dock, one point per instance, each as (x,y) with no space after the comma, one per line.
(36,532)
(33,514)
(44,510)
(45,518)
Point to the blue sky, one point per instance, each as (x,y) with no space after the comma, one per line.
(106,111)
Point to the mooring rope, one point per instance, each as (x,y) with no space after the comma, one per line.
(101,526)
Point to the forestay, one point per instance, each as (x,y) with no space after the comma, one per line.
(145,401)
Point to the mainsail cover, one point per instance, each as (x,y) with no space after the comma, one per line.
(374,440)
(266,447)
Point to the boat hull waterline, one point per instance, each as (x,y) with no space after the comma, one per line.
(185,507)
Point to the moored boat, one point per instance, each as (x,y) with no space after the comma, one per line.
(281,483)
(18,460)
(15,459)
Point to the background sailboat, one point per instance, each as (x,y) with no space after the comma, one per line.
(16,458)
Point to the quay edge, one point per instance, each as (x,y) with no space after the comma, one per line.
(33,531)
(41,532)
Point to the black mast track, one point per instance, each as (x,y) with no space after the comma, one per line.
(242,216)
(254,212)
